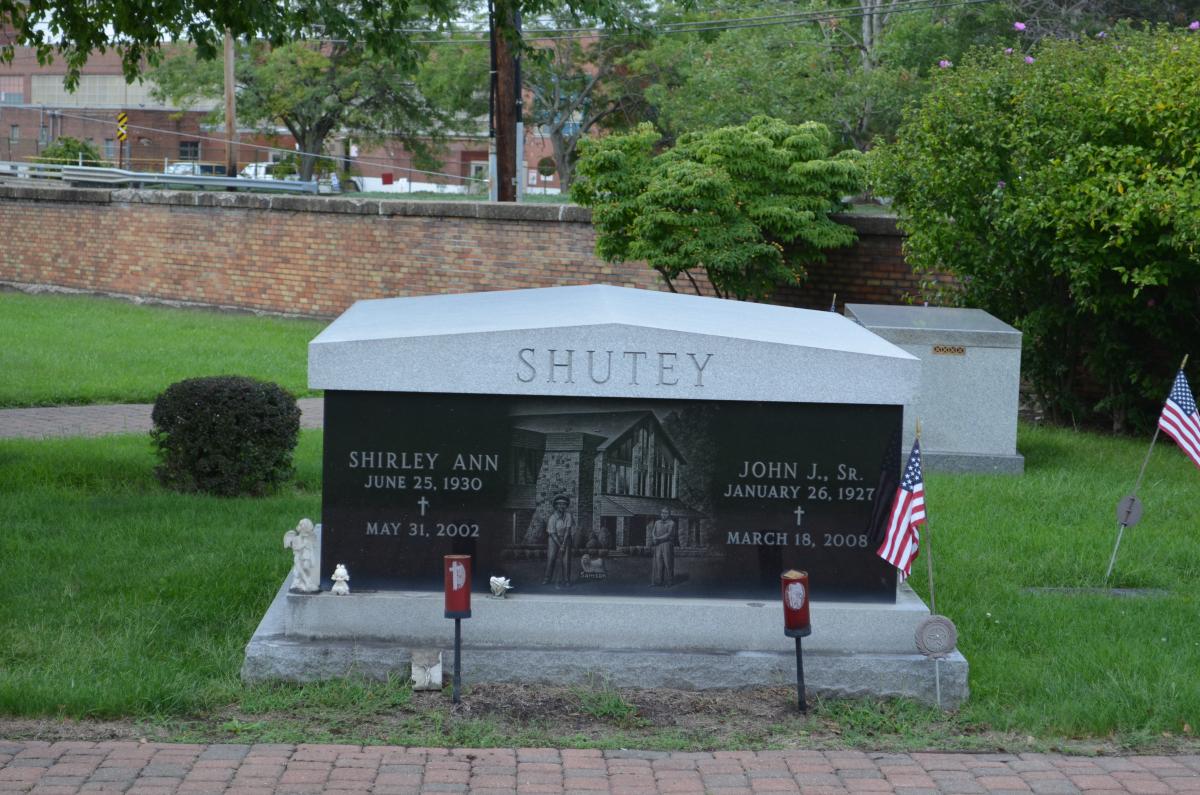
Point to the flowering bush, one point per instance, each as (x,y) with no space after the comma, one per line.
(1065,194)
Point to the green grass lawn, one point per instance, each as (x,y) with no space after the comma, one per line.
(120,599)
(79,349)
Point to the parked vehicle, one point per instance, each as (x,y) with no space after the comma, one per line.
(194,168)
(257,171)
(188,167)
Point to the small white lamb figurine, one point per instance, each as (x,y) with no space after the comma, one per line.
(500,586)
(303,543)
(340,578)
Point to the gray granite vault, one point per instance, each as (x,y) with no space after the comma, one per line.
(656,355)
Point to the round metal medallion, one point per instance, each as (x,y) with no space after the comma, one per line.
(936,636)
(1129,511)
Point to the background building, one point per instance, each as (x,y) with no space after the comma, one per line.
(36,109)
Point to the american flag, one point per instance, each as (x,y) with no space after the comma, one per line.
(901,541)
(1179,419)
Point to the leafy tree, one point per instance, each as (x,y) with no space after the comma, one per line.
(749,205)
(1063,189)
(313,89)
(854,68)
(455,78)
(71,151)
(136,29)
(576,86)
(1065,19)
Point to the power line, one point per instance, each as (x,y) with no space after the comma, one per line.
(722,24)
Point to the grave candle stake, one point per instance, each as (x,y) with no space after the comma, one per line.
(458,606)
(794,585)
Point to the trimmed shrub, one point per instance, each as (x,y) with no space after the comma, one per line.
(225,435)
(71,151)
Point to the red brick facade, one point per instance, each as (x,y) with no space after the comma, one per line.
(316,256)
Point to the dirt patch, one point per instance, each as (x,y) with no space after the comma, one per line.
(501,715)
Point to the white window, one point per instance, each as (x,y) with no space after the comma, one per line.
(12,91)
(99,91)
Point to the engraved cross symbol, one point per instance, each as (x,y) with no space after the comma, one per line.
(424,503)
(799,514)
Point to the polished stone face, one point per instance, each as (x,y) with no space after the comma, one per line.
(614,496)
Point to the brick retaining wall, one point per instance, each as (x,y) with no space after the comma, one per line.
(316,256)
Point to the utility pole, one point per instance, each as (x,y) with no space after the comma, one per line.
(519,111)
(493,181)
(505,39)
(231,136)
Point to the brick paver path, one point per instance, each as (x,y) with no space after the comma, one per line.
(146,768)
(41,423)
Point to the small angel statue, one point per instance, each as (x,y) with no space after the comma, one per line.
(303,543)
(340,578)
(500,586)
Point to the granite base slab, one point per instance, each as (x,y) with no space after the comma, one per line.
(934,461)
(695,644)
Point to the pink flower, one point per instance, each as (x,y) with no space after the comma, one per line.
(944,64)
(1101,35)
(1008,50)
(1018,26)
(1195,25)
(1028,59)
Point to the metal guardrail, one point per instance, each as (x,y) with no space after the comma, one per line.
(25,170)
(92,175)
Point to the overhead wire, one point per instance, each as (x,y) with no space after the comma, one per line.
(722,23)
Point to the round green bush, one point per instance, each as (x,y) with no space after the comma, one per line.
(225,435)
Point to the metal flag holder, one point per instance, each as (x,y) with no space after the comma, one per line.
(936,636)
(1129,509)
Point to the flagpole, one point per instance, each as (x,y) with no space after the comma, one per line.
(928,544)
(1136,486)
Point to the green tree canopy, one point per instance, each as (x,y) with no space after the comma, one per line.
(314,89)
(136,29)
(1062,187)
(748,205)
(850,64)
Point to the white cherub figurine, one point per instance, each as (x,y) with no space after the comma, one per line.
(340,578)
(303,543)
(500,586)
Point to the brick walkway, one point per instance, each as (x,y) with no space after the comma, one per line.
(41,423)
(146,768)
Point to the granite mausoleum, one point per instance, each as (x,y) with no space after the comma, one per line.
(642,466)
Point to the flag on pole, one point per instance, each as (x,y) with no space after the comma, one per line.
(901,541)
(1179,419)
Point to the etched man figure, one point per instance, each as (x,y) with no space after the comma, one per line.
(661,537)
(560,531)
